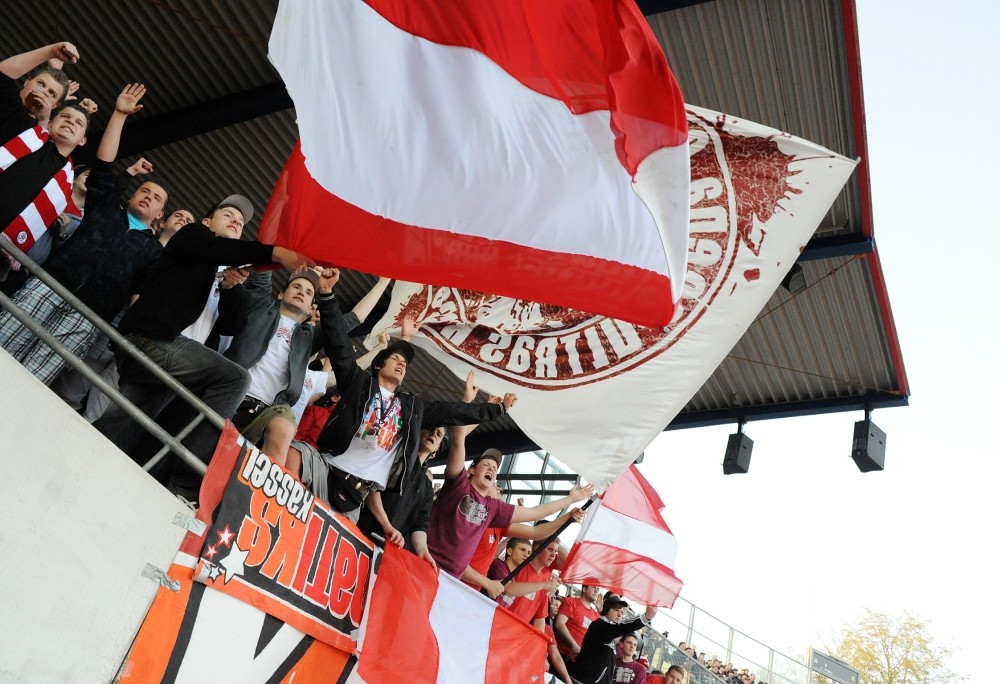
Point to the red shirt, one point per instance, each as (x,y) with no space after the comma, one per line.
(578,620)
(532,606)
(486,552)
(312,423)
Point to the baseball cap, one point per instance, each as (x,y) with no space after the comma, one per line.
(239,202)
(492,454)
(306,274)
(613,601)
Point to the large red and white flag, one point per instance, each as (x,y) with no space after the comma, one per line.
(594,391)
(625,545)
(436,630)
(531,149)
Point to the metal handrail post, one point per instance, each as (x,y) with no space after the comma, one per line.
(165,449)
(113,334)
(80,366)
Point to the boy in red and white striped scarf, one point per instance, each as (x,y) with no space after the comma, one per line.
(36,173)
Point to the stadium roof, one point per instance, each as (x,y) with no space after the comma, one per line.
(217,120)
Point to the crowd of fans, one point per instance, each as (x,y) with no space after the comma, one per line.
(696,668)
(197,300)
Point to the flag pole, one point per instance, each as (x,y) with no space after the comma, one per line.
(539,547)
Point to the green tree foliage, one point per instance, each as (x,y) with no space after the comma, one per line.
(894,650)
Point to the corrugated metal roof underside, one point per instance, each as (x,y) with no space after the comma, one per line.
(820,344)
(778,62)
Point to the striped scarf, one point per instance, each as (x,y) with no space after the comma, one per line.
(35,219)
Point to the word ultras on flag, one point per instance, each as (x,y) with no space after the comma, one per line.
(594,391)
(536,150)
(626,546)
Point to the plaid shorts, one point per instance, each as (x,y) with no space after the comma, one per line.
(60,319)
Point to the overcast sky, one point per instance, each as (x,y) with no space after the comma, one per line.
(797,548)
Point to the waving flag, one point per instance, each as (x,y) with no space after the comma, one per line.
(594,391)
(536,150)
(625,545)
(436,630)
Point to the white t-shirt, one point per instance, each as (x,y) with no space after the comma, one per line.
(370,453)
(314,383)
(269,376)
(202,328)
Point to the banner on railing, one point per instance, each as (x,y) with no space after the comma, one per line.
(255,627)
(274,545)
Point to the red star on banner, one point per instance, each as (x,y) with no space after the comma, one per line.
(211,552)
(225,536)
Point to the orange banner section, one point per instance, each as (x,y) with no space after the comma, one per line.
(274,545)
(283,584)
(188,639)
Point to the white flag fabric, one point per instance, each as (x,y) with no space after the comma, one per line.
(499,146)
(595,391)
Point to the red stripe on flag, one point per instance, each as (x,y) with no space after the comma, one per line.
(302,210)
(591,55)
(626,572)
(510,637)
(400,638)
(632,495)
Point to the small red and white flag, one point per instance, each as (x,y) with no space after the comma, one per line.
(625,545)
(426,627)
(537,150)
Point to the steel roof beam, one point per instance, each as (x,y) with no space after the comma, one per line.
(189,122)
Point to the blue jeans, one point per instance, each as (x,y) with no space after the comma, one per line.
(214,379)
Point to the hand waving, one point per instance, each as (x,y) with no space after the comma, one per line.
(470,388)
(579,493)
(128,101)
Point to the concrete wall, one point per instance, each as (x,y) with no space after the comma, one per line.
(79,522)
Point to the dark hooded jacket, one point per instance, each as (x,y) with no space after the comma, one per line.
(357,388)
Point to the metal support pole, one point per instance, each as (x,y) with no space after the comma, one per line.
(165,449)
(690,633)
(112,333)
(81,367)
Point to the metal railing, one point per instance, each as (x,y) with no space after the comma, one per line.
(169,442)
(698,626)
(712,636)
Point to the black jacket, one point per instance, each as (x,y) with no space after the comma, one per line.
(408,510)
(357,388)
(104,262)
(595,664)
(178,286)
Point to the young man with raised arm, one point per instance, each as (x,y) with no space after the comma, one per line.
(464,509)
(595,663)
(173,298)
(369,443)
(103,263)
